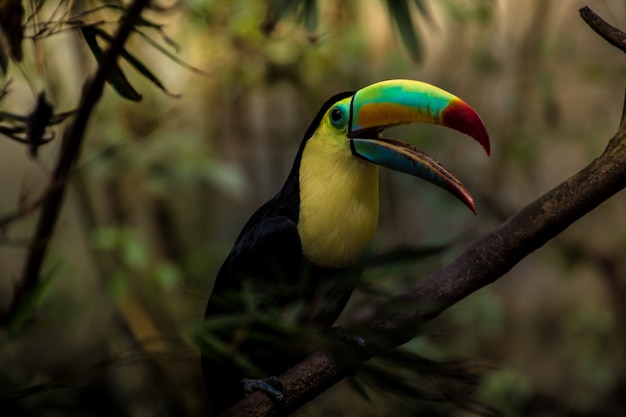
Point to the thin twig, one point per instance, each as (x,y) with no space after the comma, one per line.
(611,34)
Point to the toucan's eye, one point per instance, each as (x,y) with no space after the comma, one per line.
(337,117)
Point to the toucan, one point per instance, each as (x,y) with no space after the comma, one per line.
(292,262)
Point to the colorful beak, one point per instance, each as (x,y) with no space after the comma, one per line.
(398,102)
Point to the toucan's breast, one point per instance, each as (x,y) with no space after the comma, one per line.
(338,201)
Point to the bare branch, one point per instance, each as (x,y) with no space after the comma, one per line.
(611,34)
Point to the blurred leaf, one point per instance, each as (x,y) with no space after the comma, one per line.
(11,31)
(507,390)
(167,275)
(13,392)
(136,63)
(484,11)
(31,129)
(359,388)
(275,10)
(125,243)
(4,58)
(134,252)
(105,238)
(31,302)
(417,381)
(478,11)
(169,54)
(482,312)
(14,132)
(310,15)
(400,13)
(116,78)
(37,123)
(118,284)
(421,6)
(5,89)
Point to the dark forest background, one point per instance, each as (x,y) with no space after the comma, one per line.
(164,185)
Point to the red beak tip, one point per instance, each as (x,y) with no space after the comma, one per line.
(460,116)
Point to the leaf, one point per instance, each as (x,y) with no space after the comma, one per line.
(14,132)
(31,302)
(37,123)
(359,388)
(5,89)
(136,63)
(11,31)
(421,6)
(169,54)
(310,15)
(116,79)
(275,10)
(4,57)
(400,13)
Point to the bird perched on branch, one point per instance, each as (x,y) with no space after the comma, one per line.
(290,267)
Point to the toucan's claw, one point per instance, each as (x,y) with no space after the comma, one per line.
(270,386)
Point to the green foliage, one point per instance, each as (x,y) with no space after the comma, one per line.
(171,182)
(506,390)
(11,33)
(587,335)
(306,11)
(135,261)
(117,78)
(22,319)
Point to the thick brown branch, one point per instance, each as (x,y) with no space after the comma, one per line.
(611,34)
(486,260)
(70,150)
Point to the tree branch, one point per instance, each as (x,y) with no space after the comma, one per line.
(487,259)
(611,34)
(70,150)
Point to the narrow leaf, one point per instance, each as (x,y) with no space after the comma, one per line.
(4,57)
(400,13)
(137,64)
(31,302)
(421,6)
(275,10)
(116,79)
(359,388)
(37,123)
(11,16)
(169,54)
(310,15)
(15,133)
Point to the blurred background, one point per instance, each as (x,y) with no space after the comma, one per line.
(164,186)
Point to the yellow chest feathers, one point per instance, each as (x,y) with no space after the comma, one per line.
(338,202)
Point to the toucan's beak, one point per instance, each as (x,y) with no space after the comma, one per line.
(397,102)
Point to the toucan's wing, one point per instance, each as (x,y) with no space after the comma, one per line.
(266,257)
(255,277)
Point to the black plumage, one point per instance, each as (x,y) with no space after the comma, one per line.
(266,264)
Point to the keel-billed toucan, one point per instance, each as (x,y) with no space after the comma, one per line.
(291,258)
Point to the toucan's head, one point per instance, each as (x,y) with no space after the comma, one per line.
(362,116)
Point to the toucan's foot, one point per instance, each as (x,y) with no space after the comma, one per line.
(271,386)
(345,336)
